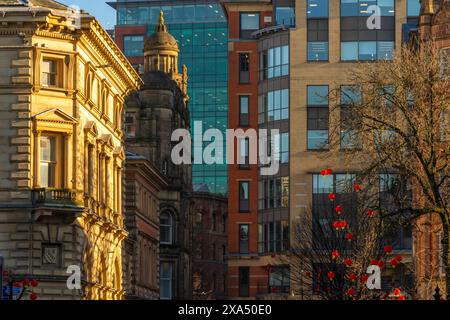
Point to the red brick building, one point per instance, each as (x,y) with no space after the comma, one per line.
(430,267)
(209,246)
(246,271)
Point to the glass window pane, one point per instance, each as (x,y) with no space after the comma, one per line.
(349,51)
(322,184)
(249,21)
(349,8)
(317,8)
(317,139)
(385,50)
(367,50)
(317,95)
(413,8)
(317,51)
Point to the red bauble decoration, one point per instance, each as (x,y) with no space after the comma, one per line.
(329,171)
(388,249)
(336,225)
(331,275)
(364,277)
(343,224)
(357,187)
(370,213)
(33,296)
(34,283)
(381,264)
(26,282)
(352,277)
(393,263)
(338,208)
(397,291)
(349,236)
(373,262)
(401,298)
(335,254)
(17,284)
(399,258)
(332,196)
(351,291)
(348,262)
(323,172)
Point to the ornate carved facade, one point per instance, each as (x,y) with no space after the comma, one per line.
(152,115)
(62,87)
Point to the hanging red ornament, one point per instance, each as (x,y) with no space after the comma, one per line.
(393,263)
(331,275)
(17,284)
(343,224)
(34,283)
(33,296)
(323,172)
(370,213)
(349,236)
(332,196)
(352,277)
(399,258)
(26,282)
(364,277)
(397,291)
(381,264)
(351,291)
(373,262)
(336,225)
(401,298)
(357,187)
(329,171)
(335,254)
(338,208)
(388,249)
(348,262)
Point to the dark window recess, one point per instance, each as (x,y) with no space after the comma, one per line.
(243,238)
(244,68)
(244,281)
(249,23)
(244,196)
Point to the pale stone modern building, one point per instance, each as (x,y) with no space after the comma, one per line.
(62,86)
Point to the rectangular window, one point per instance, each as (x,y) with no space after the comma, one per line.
(276,106)
(244,196)
(249,24)
(277,63)
(244,68)
(130,125)
(413,8)
(273,236)
(318,117)
(244,238)
(350,96)
(317,39)
(244,152)
(279,280)
(285,16)
(244,281)
(281,147)
(48,162)
(273,193)
(358,41)
(244,120)
(166,281)
(49,73)
(133,46)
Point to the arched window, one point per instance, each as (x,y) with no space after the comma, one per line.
(166,228)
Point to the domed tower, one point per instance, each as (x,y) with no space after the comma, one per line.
(161,54)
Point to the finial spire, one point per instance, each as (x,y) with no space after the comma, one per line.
(161,27)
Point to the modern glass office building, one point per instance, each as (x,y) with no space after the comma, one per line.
(201,30)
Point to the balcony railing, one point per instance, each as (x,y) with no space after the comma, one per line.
(55,196)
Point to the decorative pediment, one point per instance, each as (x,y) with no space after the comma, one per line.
(106,140)
(54,120)
(119,153)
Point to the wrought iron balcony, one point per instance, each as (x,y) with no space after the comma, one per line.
(59,197)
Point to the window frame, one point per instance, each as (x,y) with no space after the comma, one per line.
(170,227)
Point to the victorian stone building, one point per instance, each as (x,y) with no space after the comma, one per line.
(428,234)
(141,253)
(209,258)
(152,115)
(62,87)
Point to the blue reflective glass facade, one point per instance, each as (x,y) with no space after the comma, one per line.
(201,30)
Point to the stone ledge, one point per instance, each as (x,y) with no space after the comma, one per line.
(23,106)
(20,124)
(21,141)
(21,80)
(25,54)
(21,63)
